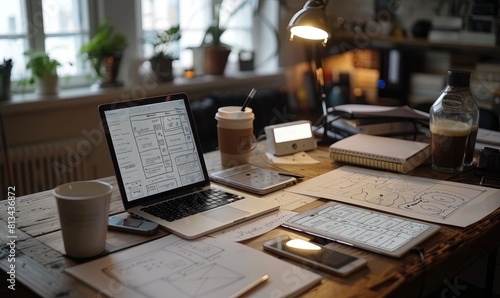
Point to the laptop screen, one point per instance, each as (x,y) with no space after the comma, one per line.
(154,146)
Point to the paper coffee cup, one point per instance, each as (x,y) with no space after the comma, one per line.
(83,214)
(235,135)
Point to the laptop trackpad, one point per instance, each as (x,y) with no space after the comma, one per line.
(225,213)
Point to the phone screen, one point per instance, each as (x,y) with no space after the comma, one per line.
(314,252)
(129,222)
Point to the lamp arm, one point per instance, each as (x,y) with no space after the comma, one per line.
(320,78)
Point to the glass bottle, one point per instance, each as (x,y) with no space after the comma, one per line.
(451,119)
(459,82)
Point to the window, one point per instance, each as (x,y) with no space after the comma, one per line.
(194,17)
(65,24)
(58,27)
(13,34)
(61,27)
(157,15)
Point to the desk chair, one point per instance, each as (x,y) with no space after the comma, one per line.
(487,119)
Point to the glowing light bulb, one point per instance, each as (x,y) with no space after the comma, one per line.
(309,32)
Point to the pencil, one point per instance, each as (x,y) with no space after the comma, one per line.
(251,286)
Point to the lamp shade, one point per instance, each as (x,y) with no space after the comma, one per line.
(310,22)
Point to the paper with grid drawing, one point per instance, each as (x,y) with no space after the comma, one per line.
(209,267)
(438,201)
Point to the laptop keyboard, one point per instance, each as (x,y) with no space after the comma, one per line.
(190,204)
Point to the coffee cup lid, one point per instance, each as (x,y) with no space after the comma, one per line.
(234,113)
(82,190)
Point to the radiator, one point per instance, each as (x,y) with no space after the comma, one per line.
(42,166)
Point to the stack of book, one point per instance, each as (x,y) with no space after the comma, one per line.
(376,120)
(376,126)
(445,29)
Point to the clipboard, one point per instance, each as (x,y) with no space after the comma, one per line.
(253,179)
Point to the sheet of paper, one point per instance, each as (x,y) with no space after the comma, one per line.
(209,267)
(288,200)
(255,227)
(481,146)
(297,158)
(488,136)
(366,110)
(432,200)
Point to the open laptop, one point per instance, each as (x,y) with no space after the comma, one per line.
(158,161)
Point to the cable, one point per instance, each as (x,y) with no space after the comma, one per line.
(261,137)
(420,251)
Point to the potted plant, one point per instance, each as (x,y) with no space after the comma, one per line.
(5,70)
(43,72)
(104,52)
(163,44)
(215,53)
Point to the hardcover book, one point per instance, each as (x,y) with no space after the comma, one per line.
(380,127)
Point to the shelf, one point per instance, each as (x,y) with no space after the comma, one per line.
(195,88)
(363,40)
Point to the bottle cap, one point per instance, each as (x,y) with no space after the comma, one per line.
(458,78)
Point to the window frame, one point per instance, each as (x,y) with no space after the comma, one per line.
(185,58)
(96,12)
(35,39)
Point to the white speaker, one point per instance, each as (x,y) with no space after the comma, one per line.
(289,138)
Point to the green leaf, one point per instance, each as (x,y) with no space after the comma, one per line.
(41,64)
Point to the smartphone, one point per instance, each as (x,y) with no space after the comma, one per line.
(132,225)
(253,179)
(315,255)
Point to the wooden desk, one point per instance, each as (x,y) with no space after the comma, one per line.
(39,260)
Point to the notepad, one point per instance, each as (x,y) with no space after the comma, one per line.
(384,153)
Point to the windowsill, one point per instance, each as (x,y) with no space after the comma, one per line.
(194,88)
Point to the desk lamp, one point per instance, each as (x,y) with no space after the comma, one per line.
(312,23)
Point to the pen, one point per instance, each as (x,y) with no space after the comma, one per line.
(249,98)
(251,286)
(292,175)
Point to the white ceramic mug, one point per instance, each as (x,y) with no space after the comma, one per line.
(83,213)
(235,135)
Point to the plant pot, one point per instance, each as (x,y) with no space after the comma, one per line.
(162,67)
(215,59)
(47,85)
(106,69)
(5,84)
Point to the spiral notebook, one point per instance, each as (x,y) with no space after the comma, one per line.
(384,153)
